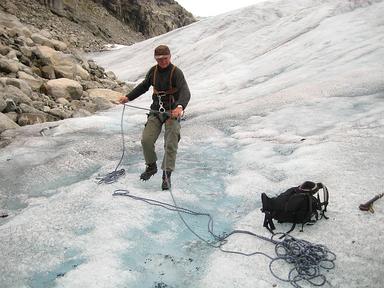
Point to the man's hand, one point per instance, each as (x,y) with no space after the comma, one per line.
(177,112)
(123,99)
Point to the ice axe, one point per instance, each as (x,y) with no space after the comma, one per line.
(369,205)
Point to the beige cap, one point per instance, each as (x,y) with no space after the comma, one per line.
(162,50)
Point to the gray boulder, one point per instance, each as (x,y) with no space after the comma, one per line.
(81,113)
(41,40)
(4,50)
(34,82)
(59,45)
(60,113)
(12,55)
(48,72)
(108,84)
(90,84)
(102,103)
(89,106)
(26,51)
(15,27)
(8,66)
(34,118)
(64,88)
(108,94)
(39,105)
(6,123)
(111,75)
(12,115)
(18,83)
(62,101)
(25,108)
(3,104)
(14,94)
(64,65)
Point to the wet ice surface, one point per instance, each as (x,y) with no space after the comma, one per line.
(50,237)
(281,93)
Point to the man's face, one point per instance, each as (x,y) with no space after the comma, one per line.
(163,60)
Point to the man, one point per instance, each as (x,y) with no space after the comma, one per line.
(170,97)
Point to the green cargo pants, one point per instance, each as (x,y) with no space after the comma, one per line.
(171,140)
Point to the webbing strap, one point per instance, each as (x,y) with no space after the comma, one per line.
(154,77)
(326,197)
(325,203)
(268,222)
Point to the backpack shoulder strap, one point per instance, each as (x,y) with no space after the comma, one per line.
(325,196)
(268,222)
(323,204)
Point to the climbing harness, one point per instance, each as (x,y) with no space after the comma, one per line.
(171,89)
(165,95)
(309,260)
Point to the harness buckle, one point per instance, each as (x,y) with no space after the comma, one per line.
(161,94)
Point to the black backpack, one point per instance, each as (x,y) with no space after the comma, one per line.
(297,205)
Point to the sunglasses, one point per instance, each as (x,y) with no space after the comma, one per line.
(162,57)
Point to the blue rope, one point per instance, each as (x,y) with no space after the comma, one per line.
(116,174)
(309,260)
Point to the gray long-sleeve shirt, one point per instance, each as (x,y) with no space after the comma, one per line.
(181,95)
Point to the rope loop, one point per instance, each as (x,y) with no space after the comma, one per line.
(309,260)
(116,174)
(110,177)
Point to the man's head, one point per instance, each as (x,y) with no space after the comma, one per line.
(163,56)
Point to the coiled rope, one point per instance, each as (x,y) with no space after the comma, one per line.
(309,260)
(116,174)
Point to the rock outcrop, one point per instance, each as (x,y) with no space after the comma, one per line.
(44,77)
(40,80)
(151,18)
(91,24)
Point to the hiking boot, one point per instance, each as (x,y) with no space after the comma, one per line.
(166,180)
(150,170)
